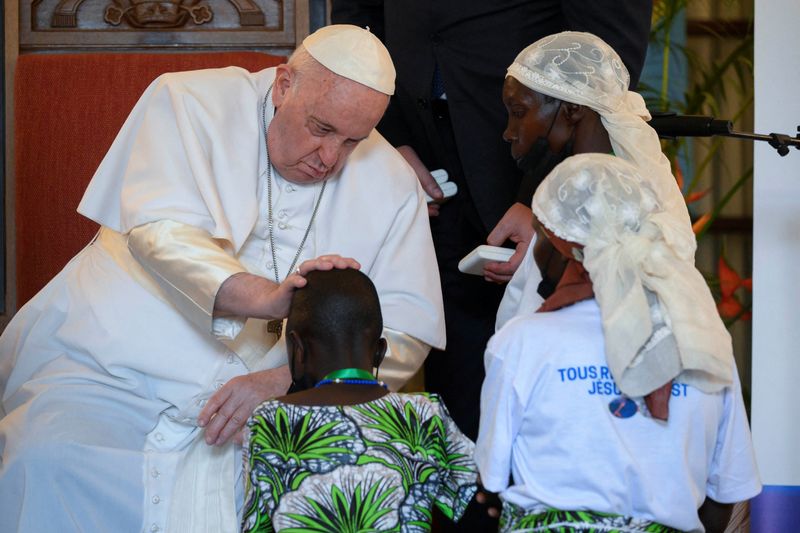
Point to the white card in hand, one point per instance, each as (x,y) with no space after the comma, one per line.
(448,189)
(440,175)
(474,262)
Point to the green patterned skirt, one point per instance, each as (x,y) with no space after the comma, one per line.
(515,518)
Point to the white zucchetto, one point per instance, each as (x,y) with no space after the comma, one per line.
(353,53)
(660,321)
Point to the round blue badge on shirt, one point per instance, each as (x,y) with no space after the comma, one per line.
(622,407)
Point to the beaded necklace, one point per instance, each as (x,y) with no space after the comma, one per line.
(350,376)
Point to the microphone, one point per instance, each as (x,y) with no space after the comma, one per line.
(671,125)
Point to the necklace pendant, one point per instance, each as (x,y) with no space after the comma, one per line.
(276,327)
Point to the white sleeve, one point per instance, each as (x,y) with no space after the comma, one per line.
(187,152)
(407,278)
(190,266)
(404,356)
(733,474)
(501,413)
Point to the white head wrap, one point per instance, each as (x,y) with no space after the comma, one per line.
(659,318)
(353,53)
(581,68)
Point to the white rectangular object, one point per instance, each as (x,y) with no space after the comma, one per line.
(474,262)
(440,175)
(449,189)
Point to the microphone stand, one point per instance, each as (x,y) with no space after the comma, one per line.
(780,141)
(669,125)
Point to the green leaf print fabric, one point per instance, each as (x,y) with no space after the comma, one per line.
(376,466)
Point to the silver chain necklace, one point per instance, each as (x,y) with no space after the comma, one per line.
(276,326)
(270,221)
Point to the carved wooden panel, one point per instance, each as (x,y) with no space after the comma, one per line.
(88,24)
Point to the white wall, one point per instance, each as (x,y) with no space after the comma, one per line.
(775,417)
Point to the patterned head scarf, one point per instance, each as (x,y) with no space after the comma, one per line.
(582,69)
(659,318)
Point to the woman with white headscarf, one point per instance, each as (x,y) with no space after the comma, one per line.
(566,407)
(568,94)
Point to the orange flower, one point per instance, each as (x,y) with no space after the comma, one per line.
(695,196)
(729,307)
(700,223)
(729,280)
(678,172)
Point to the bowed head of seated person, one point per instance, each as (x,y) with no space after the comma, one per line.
(336,323)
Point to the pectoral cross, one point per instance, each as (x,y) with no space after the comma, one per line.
(276,327)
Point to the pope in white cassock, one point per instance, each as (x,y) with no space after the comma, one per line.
(126,380)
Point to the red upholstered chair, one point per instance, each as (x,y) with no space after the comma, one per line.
(68,109)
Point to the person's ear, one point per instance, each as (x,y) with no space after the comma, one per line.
(297,356)
(574,113)
(284,77)
(380,353)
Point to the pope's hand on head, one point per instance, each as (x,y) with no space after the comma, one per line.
(278,301)
(227,411)
(327,262)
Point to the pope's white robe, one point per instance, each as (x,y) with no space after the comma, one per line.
(104,372)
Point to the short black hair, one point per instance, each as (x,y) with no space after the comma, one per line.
(336,307)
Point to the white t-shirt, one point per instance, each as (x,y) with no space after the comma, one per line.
(552,417)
